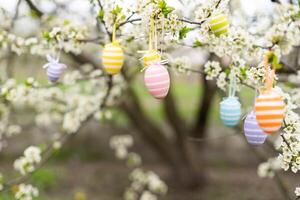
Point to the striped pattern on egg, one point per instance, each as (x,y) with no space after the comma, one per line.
(219,24)
(157,80)
(54,71)
(254,134)
(54,68)
(112,58)
(230,111)
(269,111)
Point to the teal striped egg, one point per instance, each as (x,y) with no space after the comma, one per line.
(230,111)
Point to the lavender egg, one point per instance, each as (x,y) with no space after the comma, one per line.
(54,69)
(254,134)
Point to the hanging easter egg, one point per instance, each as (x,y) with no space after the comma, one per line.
(112,58)
(157,80)
(269,111)
(219,24)
(54,68)
(230,111)
(254,134)
(151,57)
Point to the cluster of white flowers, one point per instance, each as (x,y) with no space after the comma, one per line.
(290,143)
(297,192)
(221,81)
(81,108)
(146,183)
(26,192)
(268,169)
(180,64)
(120,144)
(18,44)
(212,69)
(67,37)
(27,163)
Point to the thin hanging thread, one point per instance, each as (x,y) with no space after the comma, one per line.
(162,35)
(269,77)
(232,84)
(255,95)
(115,29)
(152,36)
(155,35)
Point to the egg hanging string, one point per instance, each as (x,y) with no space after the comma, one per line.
(232,84)
(269,78)
(152,38)
(115,29)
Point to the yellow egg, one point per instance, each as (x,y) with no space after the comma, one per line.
(113,58)
(219,24)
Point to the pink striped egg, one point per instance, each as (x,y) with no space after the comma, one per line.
(157,80)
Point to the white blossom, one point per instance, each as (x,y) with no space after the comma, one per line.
(26,192)
(212,69)
(26,163)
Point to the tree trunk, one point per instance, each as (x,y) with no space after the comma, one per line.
(177,154)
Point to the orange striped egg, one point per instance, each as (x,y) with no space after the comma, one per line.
(269,111)
(112,58)
(151,57)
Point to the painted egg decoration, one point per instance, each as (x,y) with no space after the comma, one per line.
(157,80)
(269,111)
(254,134)
(54,68)
(151,57)
(219,24)
(113,58)
(230,111)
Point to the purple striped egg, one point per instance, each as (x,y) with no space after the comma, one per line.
(254,134)
(54,68)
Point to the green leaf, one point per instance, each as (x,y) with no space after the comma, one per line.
(276,63)
(117,10)
(33,14)
(296,16)
(46,35)
(273,60)
(67,22)
(165,9)
(197,43)
(183,32)
(130,39)
(162,4)
(243,71)
(227,71)
(100,14)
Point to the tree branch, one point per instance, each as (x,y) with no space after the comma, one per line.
(47,154)
(33,7)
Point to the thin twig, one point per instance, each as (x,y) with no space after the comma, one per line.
(103,22)
(129,21)
(33,7)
